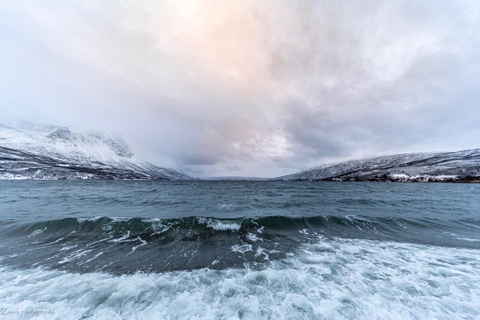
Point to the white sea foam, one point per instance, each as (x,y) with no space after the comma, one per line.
(220,225)
(74,256)
(123,238)
(58,240)
(241,248)
(66,248)
(340,279)
(37,232)
(224,226)
(253,237)
(159,225)
(142,243)
(94,257)
(261,251)
(92,219)
(152,220)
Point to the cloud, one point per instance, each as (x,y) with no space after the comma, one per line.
(264,87)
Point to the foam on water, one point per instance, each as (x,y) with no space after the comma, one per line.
(219,225)
(36,232)
(386,251)
(342,279)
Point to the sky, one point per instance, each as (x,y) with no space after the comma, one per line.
(248,88)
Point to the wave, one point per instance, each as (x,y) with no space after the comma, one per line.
(343,226)
(127,245)
(200,227)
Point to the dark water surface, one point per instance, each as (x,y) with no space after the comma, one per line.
(241,249)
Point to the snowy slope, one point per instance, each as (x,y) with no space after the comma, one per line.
(51,152)
(439,166)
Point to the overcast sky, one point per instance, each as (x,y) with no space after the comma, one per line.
(248,88)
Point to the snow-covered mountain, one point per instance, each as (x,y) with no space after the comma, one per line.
(51,152)
(460,166)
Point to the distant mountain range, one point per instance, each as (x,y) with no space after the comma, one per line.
(32,151)
(460,166)
(235,178)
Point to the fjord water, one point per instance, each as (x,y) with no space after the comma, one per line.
(240,250)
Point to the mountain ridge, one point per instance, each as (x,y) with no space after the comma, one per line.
(459,166)
(34,151)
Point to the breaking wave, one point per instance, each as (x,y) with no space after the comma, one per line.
(129,245)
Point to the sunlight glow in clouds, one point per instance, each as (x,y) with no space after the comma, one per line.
(248,87)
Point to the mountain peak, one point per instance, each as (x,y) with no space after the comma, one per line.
(61,133)
(44,151)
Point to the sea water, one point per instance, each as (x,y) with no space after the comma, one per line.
(239,250)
